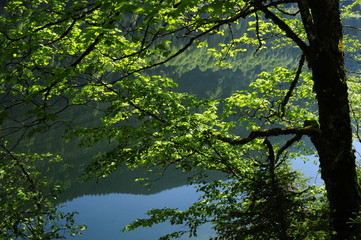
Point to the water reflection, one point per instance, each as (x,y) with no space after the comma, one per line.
(105,215)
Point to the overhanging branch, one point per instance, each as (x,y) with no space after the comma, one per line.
(308,131)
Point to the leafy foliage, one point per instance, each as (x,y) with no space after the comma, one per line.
(106,55)
(28,207)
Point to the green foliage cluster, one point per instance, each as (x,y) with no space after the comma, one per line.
(28,201)
(154,126)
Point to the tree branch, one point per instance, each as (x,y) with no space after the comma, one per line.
(258,35)
(307,130)
(271,152)
(281,24)
(242,14)
(307,18)
(292,86)
(87,51)
(271,158)
(64,34)
(287,145)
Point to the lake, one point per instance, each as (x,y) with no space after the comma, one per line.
(106,214)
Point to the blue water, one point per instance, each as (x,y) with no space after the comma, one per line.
(309,168)
(105,215)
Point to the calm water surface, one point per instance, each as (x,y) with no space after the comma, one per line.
(105,215)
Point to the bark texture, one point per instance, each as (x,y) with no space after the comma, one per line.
(334,141)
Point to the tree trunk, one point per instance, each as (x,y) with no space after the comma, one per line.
(334,143)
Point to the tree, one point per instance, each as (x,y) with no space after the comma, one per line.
(57,55)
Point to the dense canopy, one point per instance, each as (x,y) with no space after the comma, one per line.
(120,59)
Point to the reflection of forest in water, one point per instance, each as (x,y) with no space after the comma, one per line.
(195,73)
